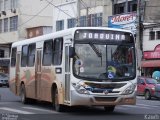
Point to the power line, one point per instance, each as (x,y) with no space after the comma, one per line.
(58,8)
(35,15)
(84,4)
(30,19)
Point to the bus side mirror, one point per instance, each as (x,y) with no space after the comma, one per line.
(71,52)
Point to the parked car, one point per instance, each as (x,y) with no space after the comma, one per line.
(4,80)
(148,87)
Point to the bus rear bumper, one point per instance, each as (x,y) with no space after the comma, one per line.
(101,100)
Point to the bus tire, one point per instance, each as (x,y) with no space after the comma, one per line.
(24,99)
(55,101)
(109,109)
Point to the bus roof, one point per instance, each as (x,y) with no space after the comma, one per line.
(60,33)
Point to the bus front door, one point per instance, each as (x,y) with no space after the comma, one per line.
(67,73)
(38,74)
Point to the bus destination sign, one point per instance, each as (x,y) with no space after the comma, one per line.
(103,35)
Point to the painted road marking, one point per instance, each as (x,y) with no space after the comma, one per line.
(15,110)
(135,106)
(148,105)
(39,109)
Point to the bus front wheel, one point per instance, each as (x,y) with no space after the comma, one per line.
(55,100)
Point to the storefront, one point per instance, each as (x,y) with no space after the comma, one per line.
(151,61)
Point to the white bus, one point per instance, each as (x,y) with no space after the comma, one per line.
(85,66)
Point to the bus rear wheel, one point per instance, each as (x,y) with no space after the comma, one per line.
(55,101)
(109,109)
(24,99)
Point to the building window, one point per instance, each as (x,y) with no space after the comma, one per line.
(1,26)
(59,25)
(132,6)
(96,19)
(1,5)
(13,23)
(47,53)
(57,51)
(1,53)
(119,8)
(6,25)
(158,35)
(31,54)
(71,23)
(152,35)
(83,21)
(6,5)
(13,57)
(13,4)
(24,55)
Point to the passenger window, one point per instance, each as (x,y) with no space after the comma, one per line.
(31,55)
(13,57)
(47,53)
(24,56)
(57,51)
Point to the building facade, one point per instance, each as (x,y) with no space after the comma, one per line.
(151,49)
(17,16)
(71,13)
(151,38)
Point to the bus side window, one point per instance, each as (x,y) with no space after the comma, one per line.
(47,53)
(24,56)
(13,57)
(31,54)
(57,51)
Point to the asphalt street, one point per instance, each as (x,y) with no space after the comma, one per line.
(11,107)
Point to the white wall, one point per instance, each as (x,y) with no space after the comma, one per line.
(69,8)
(149,45)
(31,13)
(30,8)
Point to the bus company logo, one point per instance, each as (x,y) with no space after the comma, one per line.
(105,92)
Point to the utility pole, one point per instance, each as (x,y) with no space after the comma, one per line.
(140,11)
(78,13)
(87,17)
(126,6)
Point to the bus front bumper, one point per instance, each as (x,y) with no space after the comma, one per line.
(101,100)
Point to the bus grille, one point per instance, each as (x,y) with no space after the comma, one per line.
(105,99)
(100,88)
(106,86)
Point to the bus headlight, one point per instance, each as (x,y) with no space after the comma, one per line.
(81,87)
(129,90)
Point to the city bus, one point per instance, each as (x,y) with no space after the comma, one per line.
(81,66)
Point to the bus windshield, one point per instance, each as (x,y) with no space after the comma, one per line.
(104,55)
(100,61)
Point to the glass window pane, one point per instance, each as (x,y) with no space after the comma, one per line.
(57,53)
(31,55)
(13,57)
(24,56)
(47,53)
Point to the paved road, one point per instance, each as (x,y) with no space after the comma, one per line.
(11,105)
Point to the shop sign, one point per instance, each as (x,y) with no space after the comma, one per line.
(152,54)
(124,21)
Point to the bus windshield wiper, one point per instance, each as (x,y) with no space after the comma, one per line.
(98,53)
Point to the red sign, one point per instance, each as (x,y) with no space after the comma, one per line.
(152,54)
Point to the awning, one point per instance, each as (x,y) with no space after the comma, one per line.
(150,63)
